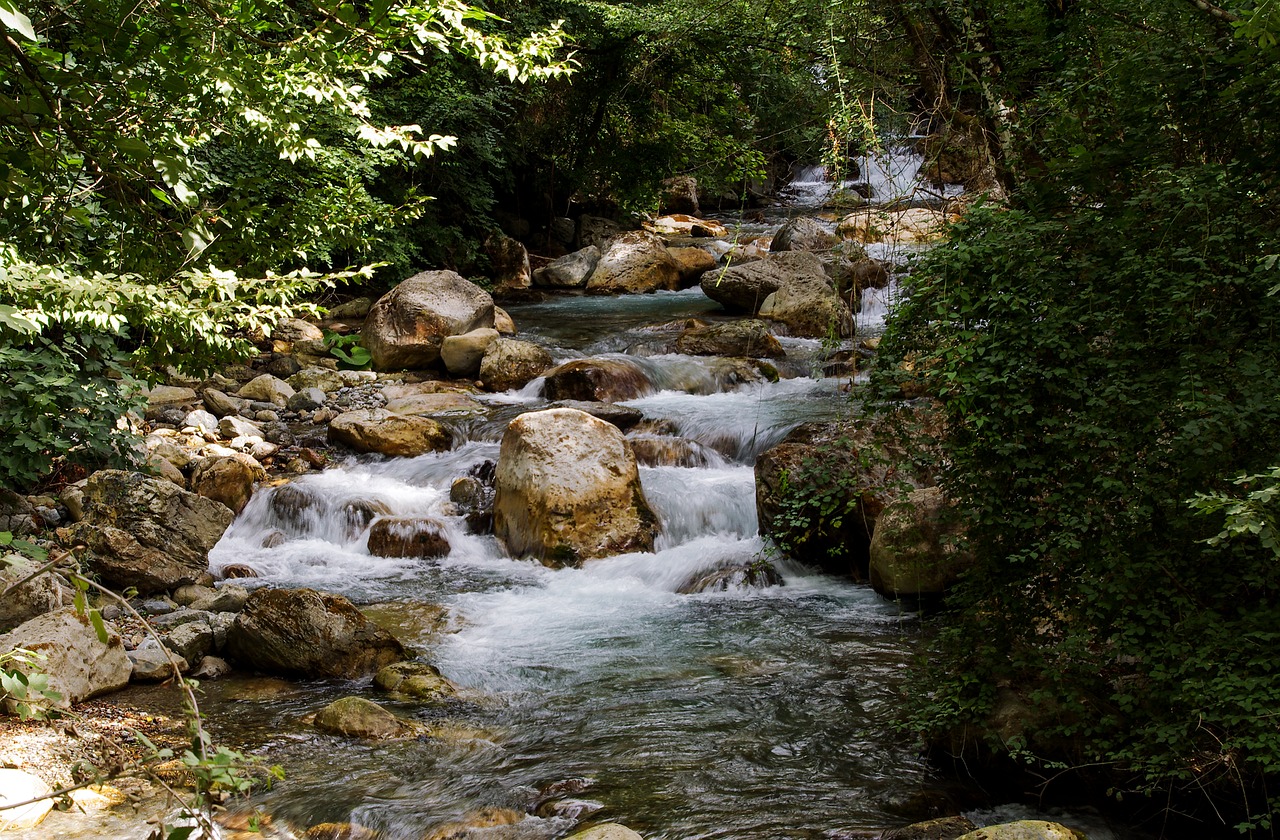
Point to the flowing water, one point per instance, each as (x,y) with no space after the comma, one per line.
(740,713)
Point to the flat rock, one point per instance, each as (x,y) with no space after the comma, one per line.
(78,664)
(384,432)
(19,786)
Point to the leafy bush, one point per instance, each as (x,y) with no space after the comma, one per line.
(1100,362)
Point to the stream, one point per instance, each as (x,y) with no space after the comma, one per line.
(747,713)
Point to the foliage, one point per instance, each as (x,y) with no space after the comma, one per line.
(1253,515)
(348,350)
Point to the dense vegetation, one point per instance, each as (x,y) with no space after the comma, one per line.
(175,177)
(1104,348)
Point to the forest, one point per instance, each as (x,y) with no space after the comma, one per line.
(1098,330)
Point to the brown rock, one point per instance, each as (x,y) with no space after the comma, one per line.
(406,536)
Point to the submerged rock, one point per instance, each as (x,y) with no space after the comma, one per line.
(418,680)
(757,575)
(309,633)
(568,490)
(356,717)
(944,828)
(407,325)
(484,823)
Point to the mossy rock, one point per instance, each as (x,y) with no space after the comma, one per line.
(417,680)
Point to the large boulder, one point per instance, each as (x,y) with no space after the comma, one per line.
(308,633)
(419,680)
(568,490)
(570,271)
(738,338)
(267,388)
(406,326)
(79,665)
(744,287)
(508,364)
(680,195)
(407,536)
(803,233)
(606,831)
(914,551)
(635,262)
(597,380)
(384,432)
(229,479)
(809,307)
(146,533)
(597,231)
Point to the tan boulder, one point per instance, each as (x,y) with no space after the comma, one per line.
(502,321)
(1025,830)
(570,271)
(809,307)
(384,432)
(803,233)
(738,338)
(916,224)
(568,490)
(407,325)
(461,354)
(682,224)
(635,262)
(692,263)
(744,287)
(440,402)
(597,380)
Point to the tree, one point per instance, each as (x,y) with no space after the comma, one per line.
(132,137)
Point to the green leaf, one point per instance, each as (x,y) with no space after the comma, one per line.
(16,20)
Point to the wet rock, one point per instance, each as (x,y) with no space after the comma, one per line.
(691,263)
(510,262)
(308,633)
(568,490)
(146,533)
(597,380)
(418,680)
(228,480)
(622,416)
(461,354)
(37,596)
(606,831)
(914,553)
(944,828)
(235,571)
(810,307)
(508,364)
(738,338)
(756,575)
(744,288)
(151,663)
(667,451)
(19,786)
(381,431)
(1025,830)
(570,271)
(268,389)
(406,536)
(407,325)
(634,262)
(474,499)
(485,823)
(574,810)
(340,831)
(78,664)
(803,233)
(356,717)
